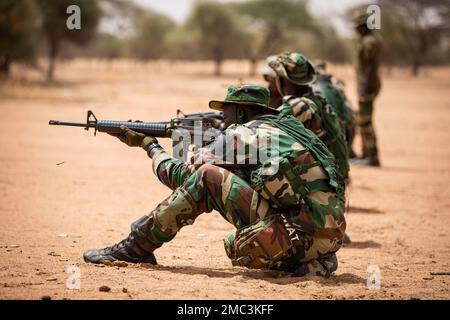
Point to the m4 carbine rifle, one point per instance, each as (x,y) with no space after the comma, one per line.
(191,124)
(154,129)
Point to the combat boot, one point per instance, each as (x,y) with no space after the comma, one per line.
(138,247)
(371,161)
(322,267)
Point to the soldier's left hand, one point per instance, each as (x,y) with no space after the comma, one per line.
(135,139)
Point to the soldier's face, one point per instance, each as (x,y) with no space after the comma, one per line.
(272,86)
(230,114)
(362,29)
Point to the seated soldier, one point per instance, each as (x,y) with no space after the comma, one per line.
(269,75)
(294,76)
(287,207)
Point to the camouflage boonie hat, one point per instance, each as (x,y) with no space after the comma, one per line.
(268,71)
(248,95)
(294,67)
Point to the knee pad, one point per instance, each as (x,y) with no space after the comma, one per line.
(177,211)
(259,245)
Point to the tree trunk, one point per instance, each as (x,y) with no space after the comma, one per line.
(415,68)
(218,67)
(52,54)
(5,63)
(253,63)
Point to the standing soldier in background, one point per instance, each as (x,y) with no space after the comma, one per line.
(369,84)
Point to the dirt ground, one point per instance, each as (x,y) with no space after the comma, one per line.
(63,191)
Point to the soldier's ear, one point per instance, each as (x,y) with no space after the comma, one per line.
(279,84)
(241,115)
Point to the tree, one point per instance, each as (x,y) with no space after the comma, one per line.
(18,24)
(182,43)
(216,30)
(54,18)
(275,20)
(413,27)
(151,31)
(330,46)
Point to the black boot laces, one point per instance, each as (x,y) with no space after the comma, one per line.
(118,246)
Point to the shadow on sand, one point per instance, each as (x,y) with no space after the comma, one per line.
(363,244)
(353,209)
(276,277)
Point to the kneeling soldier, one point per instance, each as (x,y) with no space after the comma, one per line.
(287,207)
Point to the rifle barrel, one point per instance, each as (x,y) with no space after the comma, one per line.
(156,129)
(70,124)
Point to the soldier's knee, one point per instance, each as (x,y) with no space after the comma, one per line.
(256,247)
(209,172)
(209,177)
(208,168)
(177,211)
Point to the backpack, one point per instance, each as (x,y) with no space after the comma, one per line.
(336,139)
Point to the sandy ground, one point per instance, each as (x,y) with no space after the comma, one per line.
(64,181)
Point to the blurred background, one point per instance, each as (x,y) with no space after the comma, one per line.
(34,33)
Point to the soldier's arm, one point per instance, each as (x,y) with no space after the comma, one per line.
(173,172)
(305,111)
(371,51)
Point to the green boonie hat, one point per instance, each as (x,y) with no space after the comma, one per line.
(294,67)
(248,95)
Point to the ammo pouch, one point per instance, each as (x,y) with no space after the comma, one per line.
(260,244)
(278,181)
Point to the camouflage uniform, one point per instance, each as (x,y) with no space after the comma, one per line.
(276,99)
(316,229)
(369,84)
(311,109)
(335,95)
(287,208)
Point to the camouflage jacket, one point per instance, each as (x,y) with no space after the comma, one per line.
(316,114)
(246,150)
(367,63)
(335,96)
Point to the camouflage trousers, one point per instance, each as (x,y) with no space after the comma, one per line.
(261,236)
(350,131)
(369,139)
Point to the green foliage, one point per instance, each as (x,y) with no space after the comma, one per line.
(150,40)
(218,34)
(214,25)
(330,47)
(287,13)
(108,46)
(182,43)
(276,19)
(54,19)
(415,32)
(105,46)
(18,25)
